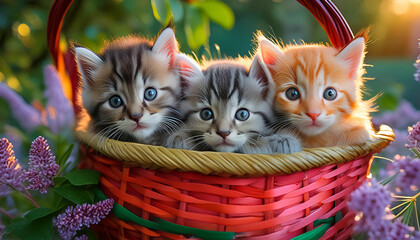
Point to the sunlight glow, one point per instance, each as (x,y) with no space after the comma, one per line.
(400,7)
(24,30)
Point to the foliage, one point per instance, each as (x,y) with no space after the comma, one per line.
(197,16)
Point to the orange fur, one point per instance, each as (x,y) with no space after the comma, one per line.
(312,68)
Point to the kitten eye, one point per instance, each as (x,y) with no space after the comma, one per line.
(206,114)
(292,94)
(150,94)
(242,114)
(330,94)
(115,101)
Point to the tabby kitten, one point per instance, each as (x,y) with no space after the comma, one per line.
(318,89)
(228,108)
(131,89)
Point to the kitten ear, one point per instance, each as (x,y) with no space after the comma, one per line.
(269,52)
(189,70)
(166,44)
(87,61)
(259,71)
(353,54)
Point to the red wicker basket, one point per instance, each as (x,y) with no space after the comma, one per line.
(176,194)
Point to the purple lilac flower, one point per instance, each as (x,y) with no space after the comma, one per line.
(416,236)
(60,112)
(409,176)
(394,119)
(83,237)
(27,116)
(10,170)
(42,166)
(388,230)
(417,65)
(371,198)
(74,218)
(413,136)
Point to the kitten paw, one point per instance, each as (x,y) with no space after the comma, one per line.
(284,143)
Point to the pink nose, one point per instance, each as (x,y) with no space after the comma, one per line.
(223,134)
(313,116)
(136,117)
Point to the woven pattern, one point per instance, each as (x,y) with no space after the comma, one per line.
(269,207)
(223,164)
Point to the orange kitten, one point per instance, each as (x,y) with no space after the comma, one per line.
(318,91)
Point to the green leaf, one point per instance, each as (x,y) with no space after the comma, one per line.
(161,11)
(37,213)
(196,27)
(78,195)
(39,229)
(388,101)
(407,214)
(218,12)
(65,156)
(61,203)
(59,180)
(176,9)
(81,177)
(388,180)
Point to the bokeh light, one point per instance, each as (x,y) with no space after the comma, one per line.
(24,30)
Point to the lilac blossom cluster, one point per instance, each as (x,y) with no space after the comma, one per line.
(370,201)
(414,136)
(75,217)
(59,113)
(417,65)
(408,169)
(42,166)
(82,237)
(10,170)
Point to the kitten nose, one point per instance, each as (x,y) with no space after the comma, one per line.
(223,133)
(313,116)
(136,117)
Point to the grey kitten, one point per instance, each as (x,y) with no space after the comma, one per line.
(132,88)
(228,108)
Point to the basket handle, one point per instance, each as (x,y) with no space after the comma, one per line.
(331,20)
(327,14)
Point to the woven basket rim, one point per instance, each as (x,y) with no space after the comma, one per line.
(236,164)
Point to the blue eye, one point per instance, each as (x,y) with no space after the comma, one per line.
(150,94)
(206,114)
(330,94)
(115,101)
(242,114)
(292,94)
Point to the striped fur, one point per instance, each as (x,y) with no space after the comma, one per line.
(312,69)
(225,87)
(126,68)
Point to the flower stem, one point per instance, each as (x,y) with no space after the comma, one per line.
(402,211)
(383,158)
(416,151)
(417,217)
(5,213)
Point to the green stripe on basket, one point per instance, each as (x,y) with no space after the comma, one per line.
(323,226)
(162,225)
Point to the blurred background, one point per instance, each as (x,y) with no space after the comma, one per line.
(391,53)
